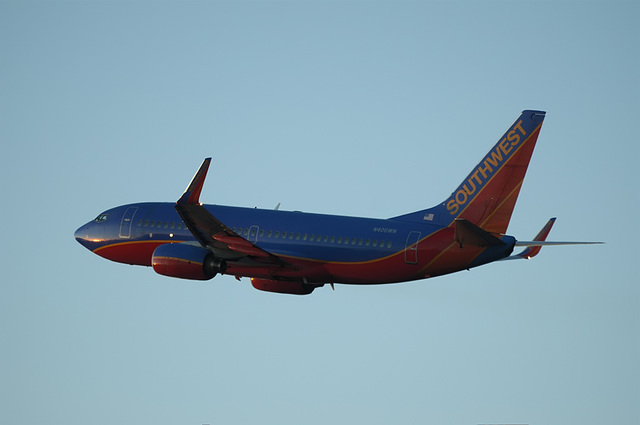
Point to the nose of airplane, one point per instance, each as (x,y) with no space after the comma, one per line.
(88,236)
(95,233)
(82,235)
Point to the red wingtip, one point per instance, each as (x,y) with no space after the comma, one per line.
(192,195)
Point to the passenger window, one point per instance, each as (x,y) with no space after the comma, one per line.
(239,230)
(375,243)
(246,232)
(333,239)
(166,224)
(368,242)
(253,232)
(139,223)
(153,224)
(389,244)
(261,233)
(340,240)
(290,235)
(304,237)
(298,237)
(277,235)
(360,242)
(179,226)
(173,224)
(270,233)
(353,241)
(325,239)
(146,223)
(311,237)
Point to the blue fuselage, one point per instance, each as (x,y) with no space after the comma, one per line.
(350,249)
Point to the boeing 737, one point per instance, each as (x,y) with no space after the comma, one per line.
(295,252)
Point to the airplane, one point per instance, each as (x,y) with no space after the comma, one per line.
(292,252)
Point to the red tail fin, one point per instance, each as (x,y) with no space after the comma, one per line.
(487,196)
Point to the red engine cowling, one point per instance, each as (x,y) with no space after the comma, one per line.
(186,262)
(282,287)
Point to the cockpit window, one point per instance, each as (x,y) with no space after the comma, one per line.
(101,218)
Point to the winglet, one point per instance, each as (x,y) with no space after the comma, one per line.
(532,251)
(192,195)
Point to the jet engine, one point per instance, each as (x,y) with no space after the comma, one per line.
(282,286)
(186,262)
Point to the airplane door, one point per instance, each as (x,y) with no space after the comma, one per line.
(127,220)
(411,248)
(253,234)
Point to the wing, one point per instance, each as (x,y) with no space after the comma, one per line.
(214,235)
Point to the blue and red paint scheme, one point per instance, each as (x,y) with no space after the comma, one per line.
(295,252)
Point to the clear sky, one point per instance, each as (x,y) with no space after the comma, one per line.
(356,108)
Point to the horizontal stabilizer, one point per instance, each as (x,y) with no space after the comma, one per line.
(534,246)
(534,249)
(553,243)
(467,233)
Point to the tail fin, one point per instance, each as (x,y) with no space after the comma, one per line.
(487,196)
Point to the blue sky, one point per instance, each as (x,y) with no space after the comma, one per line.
(357,108)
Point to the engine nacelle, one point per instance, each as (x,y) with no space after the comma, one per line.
(186,262)
(282,286)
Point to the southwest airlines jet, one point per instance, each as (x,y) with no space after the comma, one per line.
(295,252)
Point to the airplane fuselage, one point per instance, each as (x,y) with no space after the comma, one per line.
(318,248)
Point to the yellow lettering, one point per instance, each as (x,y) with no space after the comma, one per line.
(460,200)
(487,168)
(491,162)
(505,147)
(452,207)
(513,137)
(518,126)
(475,176)
(495,158)
(472,191)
